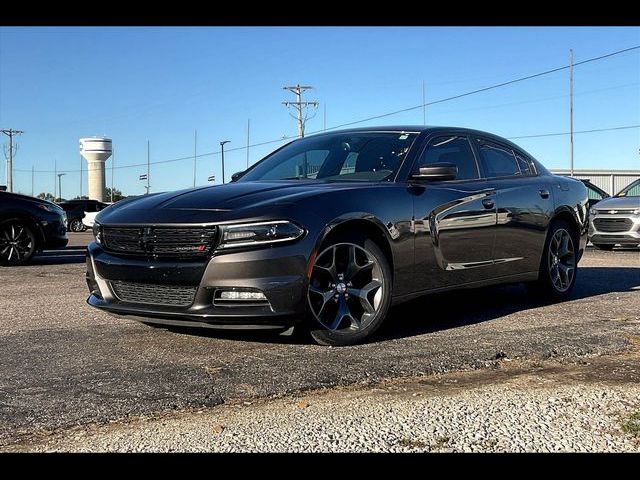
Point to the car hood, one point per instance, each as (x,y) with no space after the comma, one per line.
(217,203)
(27,198)
(618,202)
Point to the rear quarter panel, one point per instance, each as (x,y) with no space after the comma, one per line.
(571,196)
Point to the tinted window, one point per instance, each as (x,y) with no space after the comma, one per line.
(451,149)
(525,166)
(497,161)
(358,156)
(593,193)
(632,190)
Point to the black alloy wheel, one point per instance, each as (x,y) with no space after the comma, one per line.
(76,225)
(559,264)
(17,242)
(349,292)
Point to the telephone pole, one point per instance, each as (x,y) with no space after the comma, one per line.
(300,106)
(571,105)
(148,166)
(424,103)
(195,155)
(248,129)
(10,132)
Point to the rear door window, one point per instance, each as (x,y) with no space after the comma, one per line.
(497,160)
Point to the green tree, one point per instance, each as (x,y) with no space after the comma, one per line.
(117,195)
(46,196)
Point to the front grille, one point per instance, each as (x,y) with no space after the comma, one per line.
(147,293)
(159,241)
(613,224)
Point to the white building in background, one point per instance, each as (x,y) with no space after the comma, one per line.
(611,181)
(96,150)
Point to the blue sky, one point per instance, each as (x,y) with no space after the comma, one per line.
(160,84)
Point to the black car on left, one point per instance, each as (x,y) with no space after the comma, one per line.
(27,226)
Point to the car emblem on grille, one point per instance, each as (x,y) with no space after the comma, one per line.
(612,212)
(146,236)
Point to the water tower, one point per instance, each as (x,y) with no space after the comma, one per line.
(96,150)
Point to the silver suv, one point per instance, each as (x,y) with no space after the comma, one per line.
(616,220)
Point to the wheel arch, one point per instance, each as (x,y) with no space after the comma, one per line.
(371,226)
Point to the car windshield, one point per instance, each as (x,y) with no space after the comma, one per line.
(631,190)
(357,156)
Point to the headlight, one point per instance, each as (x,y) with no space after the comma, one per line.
(97,233)
(260,233)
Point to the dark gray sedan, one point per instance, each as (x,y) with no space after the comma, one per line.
(327,232)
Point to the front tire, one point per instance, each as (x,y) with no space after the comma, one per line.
(559,263)
(349,292)
(17,242)
(603,246)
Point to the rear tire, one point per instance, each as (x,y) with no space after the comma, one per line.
(559,263)
(17,242)
(603,246)
(349,292)
(76,225)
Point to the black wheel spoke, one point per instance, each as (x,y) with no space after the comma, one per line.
(16,242)
(345,287)
(561,260)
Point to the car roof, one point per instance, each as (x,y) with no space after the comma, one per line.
(421,129)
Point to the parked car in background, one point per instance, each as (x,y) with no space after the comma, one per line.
(328,231)
(616,220)
(90,217)
(28,225)
(77,209)
(595,193)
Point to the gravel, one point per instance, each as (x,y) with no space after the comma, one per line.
(64,364)
(525,413)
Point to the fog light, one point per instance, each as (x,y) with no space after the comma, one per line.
(241,295)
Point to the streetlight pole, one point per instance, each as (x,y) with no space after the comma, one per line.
(60,175)
(222,153)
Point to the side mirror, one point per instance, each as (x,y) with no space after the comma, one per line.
(236,176)
(436,172)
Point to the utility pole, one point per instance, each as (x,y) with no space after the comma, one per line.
(60,175)
(195,155)
(10,132)
(81,176)
(222,152)
(248,129)
(55,174)
(424,103)
(148,166)
(324,117)
(113,161)
(299,105)
(32,175)
(571,104)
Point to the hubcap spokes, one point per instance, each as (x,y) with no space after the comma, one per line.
(15,244)
(345,288)
(562,262)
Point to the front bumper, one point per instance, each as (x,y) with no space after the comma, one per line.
(279,272)
(628,236)
(54,232)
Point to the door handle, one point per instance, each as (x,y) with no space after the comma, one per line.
(488,203)
(543,193)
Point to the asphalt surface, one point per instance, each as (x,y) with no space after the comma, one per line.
(63,364)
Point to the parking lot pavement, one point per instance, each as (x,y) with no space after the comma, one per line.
(64,364)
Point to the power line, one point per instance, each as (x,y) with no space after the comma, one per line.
(485,89)
(442,100)
(558,134)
